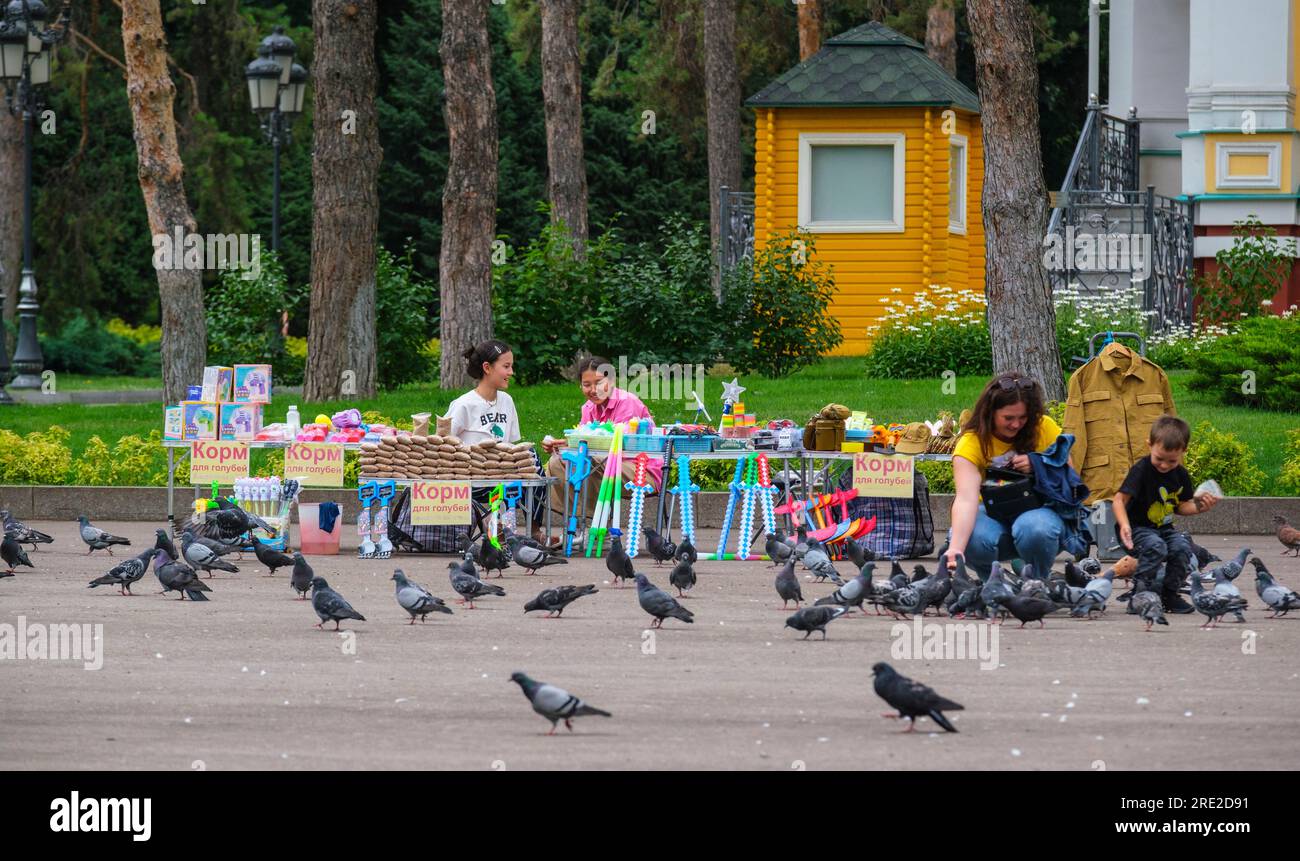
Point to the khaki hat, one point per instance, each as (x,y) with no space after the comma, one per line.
(915,439)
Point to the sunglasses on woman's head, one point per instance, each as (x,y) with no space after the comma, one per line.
(1012,383)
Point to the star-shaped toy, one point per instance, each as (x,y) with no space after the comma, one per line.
(731,391)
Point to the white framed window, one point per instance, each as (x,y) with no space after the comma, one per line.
(851,183)
(1248,165)
(957,183)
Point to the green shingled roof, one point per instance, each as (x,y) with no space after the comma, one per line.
(870,65)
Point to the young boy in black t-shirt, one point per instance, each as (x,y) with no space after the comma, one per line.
(1156,487)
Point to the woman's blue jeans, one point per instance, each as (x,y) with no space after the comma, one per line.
(1036,537)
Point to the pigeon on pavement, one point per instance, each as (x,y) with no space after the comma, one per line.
(554,704)
(470,587)
(1095,595)
(123,574)
(1148,605)
(787,585)
(819,563)
(1028,608)
(809,619)
(12,554)
(1281,599)
(163,541)
(661,550)
(778,549)
(21,532)
(858,554)
(553,601)
(270,557)
(911,698)
(682,577)
(618,562)
(300,579)
(203,557)
(329,605)
(494,558)
(1287,534)
(1212,605)
(1223,577)
(800,542)
(995,592)
(852,593)
(98,539)
(686,550)
(531,558)
(417,600)
(175,575)
(659,603)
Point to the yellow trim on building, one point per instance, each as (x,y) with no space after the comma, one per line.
(1249,161)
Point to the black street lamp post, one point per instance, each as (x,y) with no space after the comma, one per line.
(26,55)
(277,88)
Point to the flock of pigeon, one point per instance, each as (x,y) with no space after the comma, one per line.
(1028,596)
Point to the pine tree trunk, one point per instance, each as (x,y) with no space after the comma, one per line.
(341,334)
(722,95)
(151,95)
(469,196)
(566,183)
(1022,319)
(11,212)
(810,28)
(941,35)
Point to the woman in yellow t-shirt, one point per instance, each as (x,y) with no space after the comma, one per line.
(1007,422)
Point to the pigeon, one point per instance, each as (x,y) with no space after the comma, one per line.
(1281,599)
(1288,535)
(809,619)
(470,587)
(123,574)
(470,550)
(800,543)
(787,585)
(300,579)
(12,554)
(1095,595)
(968,603)
(1034,589)
(819,563)
(1203,556)
(416,600)
(961,584)
(1027,608)
(270,557)
(1147,605)
(1074,576)
(402,541)
(919,573)
(858,554)
(175,575)
(911,698)
(554,704)
(228,524)
(619,563)
(494,558)
(995,591)
(1091,567)
(329,605)
(1212,605)
(98,539)
(1230,570)
(201,556)
(682,577)
(1062,592)
(778,550)
(933,588)
(163,541)
(686,550)
(896,570)
(852,593)
(553,601)
(21,532)
(531,558)
(904,601)
(659,603)
(466,563)
(661,550)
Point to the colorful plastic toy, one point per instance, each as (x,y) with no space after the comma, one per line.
(579,467)
(639,487)
(684,490)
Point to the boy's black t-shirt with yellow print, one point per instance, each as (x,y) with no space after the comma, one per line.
(1153,495)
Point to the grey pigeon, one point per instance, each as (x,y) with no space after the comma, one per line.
(686,550)
(911,698)
(270,557)
(329,605)
(1148,605)
(98,539)
(203,557)
(553,601)
(469,549)
(469,587)
(1223,577)
(960,585)
(494,558)
(1281,599)
(1091,567)
(800,542)
(417,600)
(1028,608)
(163,541)
(787,585)
(778,549)
(933,587)
(661,549)
(531,558)
(1203,556)
(995,592)
(21,532)
(682,577)
(809,619)
(852,593)
(618,562)
(123,574)
(858,554)
(554,704)
(1211,605)
(1034,589)
(659,603)
(819,563)
(12,554)
(1095,595)
(176,576)
(905,601)
(1075,576)
(300,579)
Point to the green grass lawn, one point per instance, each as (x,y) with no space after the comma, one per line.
(551,407)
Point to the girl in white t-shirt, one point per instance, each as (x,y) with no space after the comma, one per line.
(487,412)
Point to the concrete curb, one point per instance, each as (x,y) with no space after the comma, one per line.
(1248,515)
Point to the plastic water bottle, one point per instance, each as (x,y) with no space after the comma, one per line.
(293,422)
